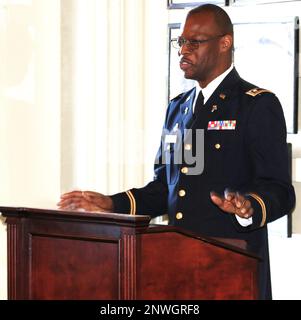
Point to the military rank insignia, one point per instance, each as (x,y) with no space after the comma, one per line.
(222,125)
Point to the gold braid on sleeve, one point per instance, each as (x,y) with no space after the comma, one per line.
(263,208)
(132,202)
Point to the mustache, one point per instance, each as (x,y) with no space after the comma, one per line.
(182,60)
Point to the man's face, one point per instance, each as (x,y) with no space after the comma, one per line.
(201,64)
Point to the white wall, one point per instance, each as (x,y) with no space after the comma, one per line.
(30,103)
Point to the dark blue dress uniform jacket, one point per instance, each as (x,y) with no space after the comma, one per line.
(251,158)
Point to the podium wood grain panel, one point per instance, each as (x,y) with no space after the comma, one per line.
(63,268)
(206,271)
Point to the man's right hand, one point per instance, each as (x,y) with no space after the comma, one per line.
(87,201)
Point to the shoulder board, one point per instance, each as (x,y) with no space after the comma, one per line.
(256,91)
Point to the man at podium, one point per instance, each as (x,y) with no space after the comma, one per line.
(222,167)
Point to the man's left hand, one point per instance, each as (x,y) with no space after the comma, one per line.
(233,203)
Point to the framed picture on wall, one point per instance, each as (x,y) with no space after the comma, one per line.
(181,4)
(266,54)
(255,2)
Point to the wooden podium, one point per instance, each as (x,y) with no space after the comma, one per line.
(72,255)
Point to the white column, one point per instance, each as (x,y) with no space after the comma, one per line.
(112,110)
(29,108)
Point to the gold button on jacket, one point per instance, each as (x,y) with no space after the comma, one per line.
(184,170)
(179,215)
(182,193)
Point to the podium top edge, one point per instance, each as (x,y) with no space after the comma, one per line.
(19,212)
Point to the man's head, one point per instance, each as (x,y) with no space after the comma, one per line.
(208,57)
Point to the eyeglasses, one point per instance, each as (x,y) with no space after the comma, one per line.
(192,44)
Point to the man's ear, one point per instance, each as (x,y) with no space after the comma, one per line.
(226,43)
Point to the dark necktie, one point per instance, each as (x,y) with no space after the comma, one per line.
(199,105)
